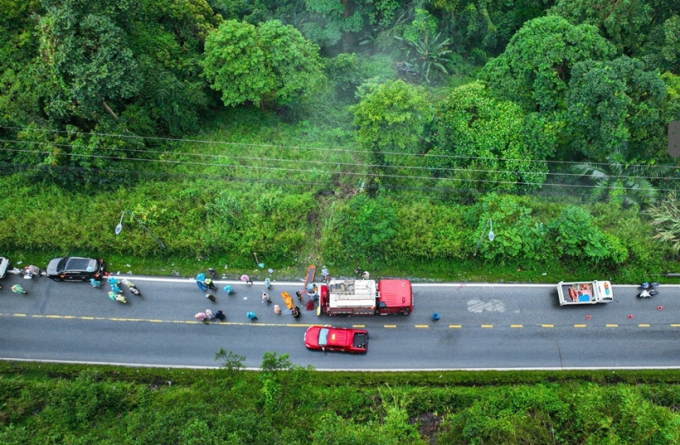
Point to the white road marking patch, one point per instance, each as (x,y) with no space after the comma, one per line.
(480,306)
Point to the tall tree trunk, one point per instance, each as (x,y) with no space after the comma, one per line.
(109,110)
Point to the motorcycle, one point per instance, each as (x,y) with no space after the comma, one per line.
(648,290)
(132,287)
(117,297)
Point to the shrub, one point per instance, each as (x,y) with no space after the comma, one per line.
(515,234)
(577,237)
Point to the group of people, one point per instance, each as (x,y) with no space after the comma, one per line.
(204,283)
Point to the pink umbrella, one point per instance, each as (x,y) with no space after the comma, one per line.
(244,278)
(200,316)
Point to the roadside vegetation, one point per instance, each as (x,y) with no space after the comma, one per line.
(287,404)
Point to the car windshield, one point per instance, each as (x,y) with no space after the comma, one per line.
(62,265)
(78,264)
(323,337)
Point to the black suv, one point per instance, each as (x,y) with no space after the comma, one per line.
(75,269)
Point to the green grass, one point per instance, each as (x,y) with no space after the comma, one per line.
(43,403)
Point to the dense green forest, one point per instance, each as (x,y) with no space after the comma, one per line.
(287,404)
(351,132)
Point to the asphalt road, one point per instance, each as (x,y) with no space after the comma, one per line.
(481,327)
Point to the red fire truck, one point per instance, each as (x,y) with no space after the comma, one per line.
(365,297)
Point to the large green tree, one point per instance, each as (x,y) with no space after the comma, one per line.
(490,144)
(269,63)
(391,118)
(614,104)
(646,29)
(535,68)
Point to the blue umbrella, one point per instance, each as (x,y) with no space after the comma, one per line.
(201,286)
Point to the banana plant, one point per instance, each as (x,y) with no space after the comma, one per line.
(428,54)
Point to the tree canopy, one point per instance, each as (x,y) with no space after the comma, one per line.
(272,62)
(535,68)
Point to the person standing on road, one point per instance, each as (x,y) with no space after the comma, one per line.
(251,316)
(246,279)
(200,316)
(209,283)
(366,275)
(209,315)
(265,297)
(325,274)
(435,316)
(211,297)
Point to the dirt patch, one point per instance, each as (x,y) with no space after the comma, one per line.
(429,425)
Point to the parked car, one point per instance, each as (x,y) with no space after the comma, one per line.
(4,265)
(75,269)
(328,338)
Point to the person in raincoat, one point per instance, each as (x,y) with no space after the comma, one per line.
(211,297)
(209,315)
(246,279)
(296,312)
(265,297)
(228,289)
(117,297)
(200,316)
(18,289)
(95,283)
(251,316)
(267,283)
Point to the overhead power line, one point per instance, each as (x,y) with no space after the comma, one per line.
(255,158)
(12,168)
(330,172)
(338,150)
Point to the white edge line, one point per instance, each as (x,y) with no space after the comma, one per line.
(556,368)
(299,283)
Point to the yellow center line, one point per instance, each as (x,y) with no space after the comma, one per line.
(675,325)
(69,316)
(579,326)
(487,325)
(291,325)
(358,326)
(612,325)
(19,315)
(390,326)
(154,320)
(53,316)
(420,326)
(87,318)
(643,325)
(516,326)
(548,325)
(38,316)
(455,326)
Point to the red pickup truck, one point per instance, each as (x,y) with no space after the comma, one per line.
(328,338)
